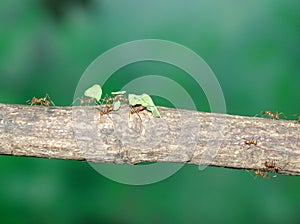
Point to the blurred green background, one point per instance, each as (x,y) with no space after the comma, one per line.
(253,48)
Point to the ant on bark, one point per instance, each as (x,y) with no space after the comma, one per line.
(136,110)
(108,106)
(85,100)
(44,101)
(108,109)
(271,167)
(272,115)
(250,142)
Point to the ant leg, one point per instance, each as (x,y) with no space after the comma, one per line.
(104,112)
(109,117)
(135,111)
(49,98)
(105,99)
(260,113)
(74,101)
(139,116)
(32,101)
(29,102)
(283,115)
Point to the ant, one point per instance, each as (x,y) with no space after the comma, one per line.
(273,115)
(107,110)
(46,101)
(110,104)
(120,98)
(107,100)
(250,142)
(115,98)
(109,107)
(271,166)
(263,174)
(136,110)
(85,100)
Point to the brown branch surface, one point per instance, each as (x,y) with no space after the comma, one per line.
(183,136)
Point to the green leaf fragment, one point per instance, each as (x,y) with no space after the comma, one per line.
(154,111)
(95,92)
(118,93)
(144,100)
(116,105)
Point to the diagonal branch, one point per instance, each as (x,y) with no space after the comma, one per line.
(80,133)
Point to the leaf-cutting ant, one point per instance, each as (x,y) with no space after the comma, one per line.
(108,109)
(263,174)
(44,101)
(136,110)
(250,142)
(271,167)
(272,115)
(85,100)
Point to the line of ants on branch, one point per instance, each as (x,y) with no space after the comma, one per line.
(270,166)
(108,101)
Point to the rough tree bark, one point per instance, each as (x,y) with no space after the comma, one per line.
(80,133)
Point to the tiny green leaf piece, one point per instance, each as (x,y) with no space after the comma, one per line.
(95,92)
(116,105)
(154,111)
(118,93)
(144,100)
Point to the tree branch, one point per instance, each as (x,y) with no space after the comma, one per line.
(80,133)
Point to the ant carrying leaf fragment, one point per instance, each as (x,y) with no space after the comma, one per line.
(113,103)
(145,101)
(107,110)
(91,96)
